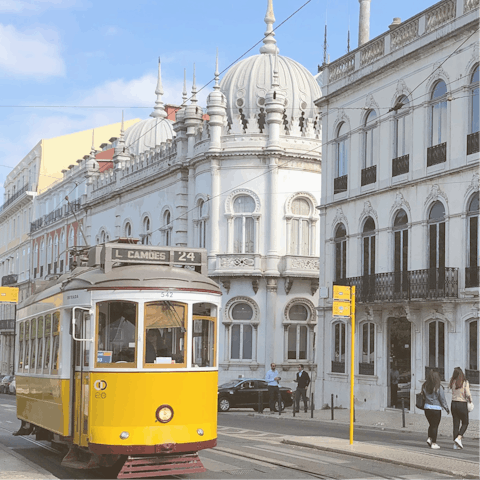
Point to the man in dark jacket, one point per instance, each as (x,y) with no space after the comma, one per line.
(303,381)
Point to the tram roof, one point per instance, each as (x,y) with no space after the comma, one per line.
(125,277)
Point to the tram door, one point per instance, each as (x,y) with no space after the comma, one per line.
(82,330)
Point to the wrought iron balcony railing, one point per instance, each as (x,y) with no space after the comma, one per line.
(369,175)
(338,367)
(413,285)
(400,165)
(340,184)
(472,143)
(472,275)
(437,154)
(16,195)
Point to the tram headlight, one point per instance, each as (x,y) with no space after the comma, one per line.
(124,435)
(200,432)
(164,413)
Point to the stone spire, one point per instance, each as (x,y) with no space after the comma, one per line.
(159,109)
(269,42)
(217,75)
(274,107)
(93,152)
(193,100)
(364,22)
(217,111)
(184,94)
(120,155)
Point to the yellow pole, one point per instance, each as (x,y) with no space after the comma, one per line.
(352,366)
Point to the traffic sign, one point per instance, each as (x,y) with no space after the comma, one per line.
(9,294)
(341,293)
(341,309)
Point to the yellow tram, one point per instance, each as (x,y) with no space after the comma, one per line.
(118,360)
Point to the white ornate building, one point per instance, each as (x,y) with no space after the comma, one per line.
(242,179)
(400,205)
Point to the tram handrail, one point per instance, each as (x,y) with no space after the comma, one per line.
(74,324)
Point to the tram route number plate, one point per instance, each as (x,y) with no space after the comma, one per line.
(156,255)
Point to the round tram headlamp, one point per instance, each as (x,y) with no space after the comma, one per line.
(164,413)
(200,432)
(124,435)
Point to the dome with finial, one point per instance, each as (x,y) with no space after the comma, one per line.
(153,131)
(246,83)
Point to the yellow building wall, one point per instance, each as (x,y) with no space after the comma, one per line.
(60,152)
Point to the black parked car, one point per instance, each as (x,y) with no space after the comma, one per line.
(243,393)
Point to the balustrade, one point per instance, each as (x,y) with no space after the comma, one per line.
(440,15)
(437,154)
(472,143)
(403,35)
(372,51)
(400,165)
(16,195)
(340,184)
(369,175)
(341,68)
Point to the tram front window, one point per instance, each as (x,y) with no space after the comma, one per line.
(117,333)
(165,333)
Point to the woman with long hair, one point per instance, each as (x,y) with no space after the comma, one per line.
(460,396)
(434,402)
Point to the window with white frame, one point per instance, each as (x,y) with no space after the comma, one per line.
(400,260)
(436,346)
(35,260)
(369,139)
(71,239)
(339,347)
(473,352)
(79,235)
(243,224)
(167,228)
(49,254)
(341,164)
(367,344)
(241,338)
(438,114)
(340,252)
(42,257)
(128,230)
(474,102)
(401,135)
(473,248)
(297,332)
(202,224)
(436,246)
(301,227)
(146,235)
(368,240)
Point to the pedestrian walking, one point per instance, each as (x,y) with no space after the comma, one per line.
(394,378)
(303,381)
(272,378)
(434,402)
(460,396)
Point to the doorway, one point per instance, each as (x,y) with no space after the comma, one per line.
(399,354)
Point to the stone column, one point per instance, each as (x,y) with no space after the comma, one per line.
(191,229)
(364,22)
(272,252)
(214,216)
(270,321)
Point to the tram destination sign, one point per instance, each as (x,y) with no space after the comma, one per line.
(134,255)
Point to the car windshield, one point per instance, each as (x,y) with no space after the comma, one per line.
(231,384)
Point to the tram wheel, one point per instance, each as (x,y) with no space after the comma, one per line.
(224,405)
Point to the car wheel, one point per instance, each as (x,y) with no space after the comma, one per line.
(224,404)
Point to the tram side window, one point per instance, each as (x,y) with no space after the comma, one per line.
(40,345)
(117,333)
(21,339)
(33,343)
(26,366)
(55,342)
(165,333)
(48,343)
(204,327)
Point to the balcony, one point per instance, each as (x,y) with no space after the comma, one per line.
(55,215)
(472,274)
(414,285)
(472,143)
(14,197)
(239,264)
(400,165)
(340,184)
(7,326)
(338,367)
(369,175)
(11,279)
(437,154)
(366,368)
(440,370)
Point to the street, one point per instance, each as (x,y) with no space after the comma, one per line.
(250,447)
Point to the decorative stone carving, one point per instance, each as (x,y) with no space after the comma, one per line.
(340,218)
(341,117)
(236,262)
(341,68)
(312,317)
(255,285)
(305,264)
(226,284)
(470,5)
(228,306)
(310,198)
(402,89)
(475,183)
(314,283)
(272,284)
(368,211)
(439,16)
(403,35)
(371,104)
(372,51)
(288,284)
(236,193)
(399,203)
(436,193)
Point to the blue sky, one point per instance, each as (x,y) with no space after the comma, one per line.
(104,53)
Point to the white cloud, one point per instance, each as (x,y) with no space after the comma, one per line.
(25,54)
(34,6)
(111,31)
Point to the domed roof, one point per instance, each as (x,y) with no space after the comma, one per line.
(153,131)
(246,83)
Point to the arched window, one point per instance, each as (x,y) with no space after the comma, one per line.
(401,135)
(340,253)
(473,250)
(243,224)
(368,260)
(103,237)
(301,227)
(167,228)
(436,347)
(35,260)
(201,225)
(436,247)
(71,237)
(367,344)
(297,332)
(339,347)
(438,109)
(473,352)
(79,235)
(128,230)
(241,342)
(369,139)
(474,109)
(42,257)
(341,164)
(49,255)
(400,267)
(146,235)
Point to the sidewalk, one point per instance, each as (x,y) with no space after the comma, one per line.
(14,466)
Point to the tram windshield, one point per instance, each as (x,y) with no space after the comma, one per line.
(165,330)
(117,327)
